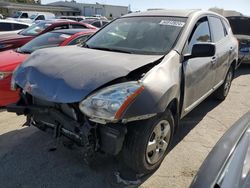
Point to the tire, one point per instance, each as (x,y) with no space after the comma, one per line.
(222,92)
(148,142)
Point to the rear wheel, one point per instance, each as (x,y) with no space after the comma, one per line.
(222,92)
(147,143)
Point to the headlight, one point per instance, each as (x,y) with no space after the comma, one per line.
(109,103)
(3,75)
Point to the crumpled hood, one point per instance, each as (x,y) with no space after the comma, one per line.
(69,74)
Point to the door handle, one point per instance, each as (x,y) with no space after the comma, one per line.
(214,60)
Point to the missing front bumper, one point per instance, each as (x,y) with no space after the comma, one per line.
(108,138)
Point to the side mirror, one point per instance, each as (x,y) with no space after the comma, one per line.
(203,50)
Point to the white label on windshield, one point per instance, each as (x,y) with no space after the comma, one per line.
(64,36)
(172,23)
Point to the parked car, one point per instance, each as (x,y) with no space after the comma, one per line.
(228,164)
(74,18)
(96,22)
(9,26)
(10,59)
(126,88)
(12,41)
(241,29)
(30,16)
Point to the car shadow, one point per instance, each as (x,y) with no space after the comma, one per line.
(28,158)
(2,109)
(244,69)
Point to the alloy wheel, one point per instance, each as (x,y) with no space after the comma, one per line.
(158,142)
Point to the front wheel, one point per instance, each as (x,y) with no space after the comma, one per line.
(222,92)
(147,143)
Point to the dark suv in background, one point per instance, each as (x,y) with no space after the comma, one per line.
(241,29)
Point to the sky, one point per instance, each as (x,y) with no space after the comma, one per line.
(242,6)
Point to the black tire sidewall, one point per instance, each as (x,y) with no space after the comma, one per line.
(137,152)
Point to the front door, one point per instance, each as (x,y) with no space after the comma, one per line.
(199,73)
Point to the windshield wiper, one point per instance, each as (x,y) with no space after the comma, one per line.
(111,49)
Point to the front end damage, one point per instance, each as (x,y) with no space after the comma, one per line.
(66,120)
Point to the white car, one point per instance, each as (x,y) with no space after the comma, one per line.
(10,26)
(30,17)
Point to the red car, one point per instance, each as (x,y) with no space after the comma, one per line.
(10,59)
(12,41)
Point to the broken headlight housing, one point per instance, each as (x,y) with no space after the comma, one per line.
(110,103)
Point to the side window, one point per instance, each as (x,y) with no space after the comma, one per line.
(40,17)
(78,26)
(66,26)
(72,18)
(200,33)
(19,26)
(217,29)
(104,23)
(97,24)
(24,15)
(78,40)
(5,27)
(79,19)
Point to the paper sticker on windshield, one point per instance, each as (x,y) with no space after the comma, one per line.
(64,36)
(172,23)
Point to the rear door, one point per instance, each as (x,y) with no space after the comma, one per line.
(199,74)
(224,48)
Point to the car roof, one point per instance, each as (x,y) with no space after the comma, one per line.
(164,12)
(72,31)
(13,21)
(55,21)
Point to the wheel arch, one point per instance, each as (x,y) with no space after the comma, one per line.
(173,106)
(234,66)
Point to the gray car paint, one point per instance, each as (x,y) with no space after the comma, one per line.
(162,83)
(228,164)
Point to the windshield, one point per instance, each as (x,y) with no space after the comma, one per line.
(140,35)
(35,29)
(32,17)
(17,15)
(44,41)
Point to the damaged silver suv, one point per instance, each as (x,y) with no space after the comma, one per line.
(125,89)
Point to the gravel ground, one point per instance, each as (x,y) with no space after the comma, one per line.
(26,160)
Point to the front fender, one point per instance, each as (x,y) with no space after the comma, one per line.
(162,85)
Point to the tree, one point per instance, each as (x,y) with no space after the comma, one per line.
(26,1)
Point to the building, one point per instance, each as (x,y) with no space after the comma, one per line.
(8,9)
(109,11)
